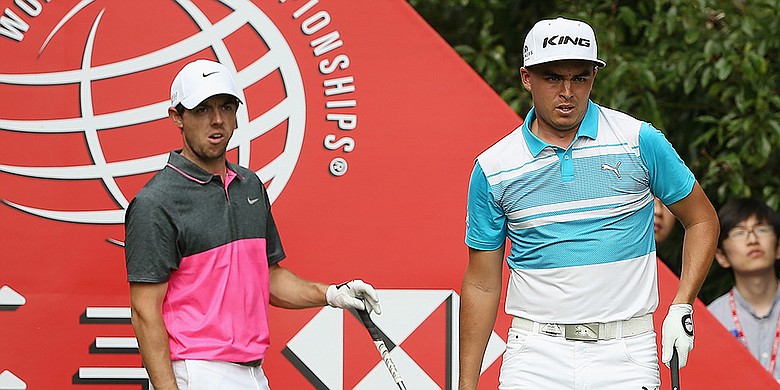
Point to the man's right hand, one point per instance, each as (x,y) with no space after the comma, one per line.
(355,294)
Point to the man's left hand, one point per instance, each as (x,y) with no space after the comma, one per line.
(355,294)
(677,333)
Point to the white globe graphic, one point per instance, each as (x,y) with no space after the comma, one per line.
(277,60)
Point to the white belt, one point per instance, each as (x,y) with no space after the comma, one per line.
(591,331)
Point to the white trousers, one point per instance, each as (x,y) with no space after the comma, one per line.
(215,375)
(535,361)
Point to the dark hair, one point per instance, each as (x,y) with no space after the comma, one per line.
(180,107)
(738,210)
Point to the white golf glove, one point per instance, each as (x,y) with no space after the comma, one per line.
(677,333)
(355,294)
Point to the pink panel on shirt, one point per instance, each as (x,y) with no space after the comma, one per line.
(216,307)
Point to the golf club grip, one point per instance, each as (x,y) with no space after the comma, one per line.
(376,335)
(674,367)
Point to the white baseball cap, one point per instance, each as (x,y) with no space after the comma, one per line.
(560,39)
(200,80)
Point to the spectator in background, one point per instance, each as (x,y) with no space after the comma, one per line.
(663,225)
(748,245)
(663,221)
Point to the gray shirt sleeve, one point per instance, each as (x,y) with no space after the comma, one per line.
(151,252)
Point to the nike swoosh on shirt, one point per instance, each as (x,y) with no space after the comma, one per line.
(252,201)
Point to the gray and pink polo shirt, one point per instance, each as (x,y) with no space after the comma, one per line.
(213,243)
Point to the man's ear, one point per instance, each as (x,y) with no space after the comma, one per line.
(175,117)
(525,78)
(722,259)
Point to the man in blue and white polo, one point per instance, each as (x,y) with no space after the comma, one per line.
(572,189)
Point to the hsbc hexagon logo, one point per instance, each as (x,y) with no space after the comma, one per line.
(420,328)
(109,105)
(334,352)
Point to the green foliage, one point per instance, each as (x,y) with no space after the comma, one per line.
(706,72)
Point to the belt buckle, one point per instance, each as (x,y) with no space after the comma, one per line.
(551,330)
(581,332)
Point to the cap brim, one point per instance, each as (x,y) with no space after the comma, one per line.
(192,101)
(599,63)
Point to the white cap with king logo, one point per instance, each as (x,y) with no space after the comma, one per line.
(560,39)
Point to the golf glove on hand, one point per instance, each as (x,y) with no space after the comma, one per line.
(355,294)
(677,333)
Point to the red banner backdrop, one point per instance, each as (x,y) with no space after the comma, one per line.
(362,121)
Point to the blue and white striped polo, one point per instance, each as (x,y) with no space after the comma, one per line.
(580,220)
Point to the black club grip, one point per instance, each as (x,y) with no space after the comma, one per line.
(376,335)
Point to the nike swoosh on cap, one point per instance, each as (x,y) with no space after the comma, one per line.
(210,73)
